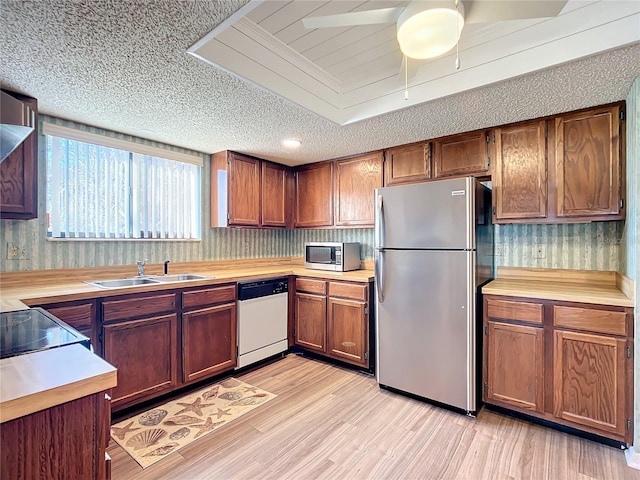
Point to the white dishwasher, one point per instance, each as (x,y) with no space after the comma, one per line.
(262,319)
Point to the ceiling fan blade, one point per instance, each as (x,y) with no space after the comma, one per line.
(485,11)
(366,17)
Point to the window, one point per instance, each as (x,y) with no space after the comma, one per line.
(102,187)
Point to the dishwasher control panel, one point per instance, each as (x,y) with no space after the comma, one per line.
(262,288)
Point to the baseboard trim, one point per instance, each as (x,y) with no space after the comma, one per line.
(633,457)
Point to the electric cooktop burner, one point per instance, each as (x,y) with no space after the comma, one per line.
(32,330)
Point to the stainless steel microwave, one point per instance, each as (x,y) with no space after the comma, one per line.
(336,256)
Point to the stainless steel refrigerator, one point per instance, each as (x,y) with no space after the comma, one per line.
(433,249)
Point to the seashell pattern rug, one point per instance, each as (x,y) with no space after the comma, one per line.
(156,433)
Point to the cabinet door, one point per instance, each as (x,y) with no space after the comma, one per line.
(520,172)
(590,380)
(273,195)
(244,190)
(515,366)
(19,175)
(355,182)
(55,443)
(145,354)
(588,164)
(347,331)
(313,196)
(463,154)
(311,319)
(407,164)
(208,341)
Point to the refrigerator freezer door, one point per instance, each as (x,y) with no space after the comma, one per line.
(432,215)
(426,325)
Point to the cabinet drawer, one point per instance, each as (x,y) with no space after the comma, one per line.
(78,316)
(348,290)
(208,296)
(511,310)
(113,310)
(311,286)
(601,321)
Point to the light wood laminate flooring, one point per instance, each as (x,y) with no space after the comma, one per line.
(333,423)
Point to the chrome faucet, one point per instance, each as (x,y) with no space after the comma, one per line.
(140,265)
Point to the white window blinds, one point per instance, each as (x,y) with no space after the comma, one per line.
(103,187)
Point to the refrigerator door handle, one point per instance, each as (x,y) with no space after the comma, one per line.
(379,273)
(380,223)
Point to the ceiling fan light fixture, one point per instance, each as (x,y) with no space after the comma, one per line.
(429,29)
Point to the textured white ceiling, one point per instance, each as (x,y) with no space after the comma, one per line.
(122,65)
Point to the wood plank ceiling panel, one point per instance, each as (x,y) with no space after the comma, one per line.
(324,40)
(385,66)
(297,30)
(366,47)
(289,14)
(266,9)
(343,40)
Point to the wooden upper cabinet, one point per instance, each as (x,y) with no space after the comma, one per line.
(248,192)
(588,163)
(520,172)
(19,174)
(355,182)
(273,195)
(244,190)
(407,164)
(314,195)
(464,154)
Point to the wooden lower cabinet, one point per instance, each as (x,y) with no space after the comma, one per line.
(515,365)
(335,323)
(589,379)
(145,352)
(208,341)
(568,363)
(310,325)
(67,441)
(347,332)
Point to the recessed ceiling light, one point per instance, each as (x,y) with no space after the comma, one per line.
(291,143)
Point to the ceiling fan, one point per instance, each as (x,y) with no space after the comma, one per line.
(430,28)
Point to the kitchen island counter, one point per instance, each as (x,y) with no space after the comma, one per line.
(40,380)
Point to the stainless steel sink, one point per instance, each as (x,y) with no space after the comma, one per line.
(123,282)
(181,277)
(150,280)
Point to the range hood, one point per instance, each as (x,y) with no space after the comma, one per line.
(17,122)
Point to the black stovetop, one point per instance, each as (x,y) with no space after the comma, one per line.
(34,329)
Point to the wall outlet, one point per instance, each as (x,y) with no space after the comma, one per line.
(499,249)
(16,252)
(539,251)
